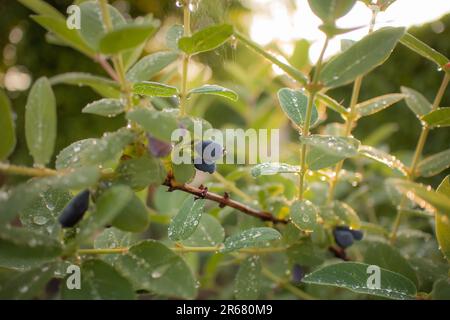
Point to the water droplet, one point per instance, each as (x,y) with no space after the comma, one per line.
(40,220)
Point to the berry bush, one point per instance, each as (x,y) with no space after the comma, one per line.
(339,218)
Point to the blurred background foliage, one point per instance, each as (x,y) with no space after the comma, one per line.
(26,53)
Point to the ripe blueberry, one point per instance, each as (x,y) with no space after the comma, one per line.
(74,210)
(343,237)
(205,167)
(209,151)
(297,273)
(357,234)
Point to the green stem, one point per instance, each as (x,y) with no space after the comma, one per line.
(306,126)
(293,289)
(417,155)
(25,171)
(186,58)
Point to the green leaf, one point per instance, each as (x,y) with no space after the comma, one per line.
(331,103)
(27,285)
(152,266)
(209,233)
(248,279)
(183,172)
(443,221)
(271,168)
(103,86)
(141,172)
(186,221)
(23,249)
(422,195)
(255,237)
(441,290)
(325,150)
(111,238)
(173,35)
(206,39)
(150,65)
(107,207)
(79,178)
(216,90)
(435,164)
(354,276)
(42,7)
(133,217)
(423,49)
(304,215)
(159,124)
(126,37)
(377,104)
(294,104)
(361,57)
(92,27)
(40,121)
(94,152)
(384,158)
(330,10)
(154,89)
(438,118)
(41,214)
(8,140)
(346,214)
(58,27)
(99,281)
(346,43)
(105,107)
(305,254)
(416,102)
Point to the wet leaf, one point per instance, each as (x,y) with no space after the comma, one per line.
(255,237)
(209,233)
(105,107)
(247,282)
(416,102)
(206,39)
(159,124)
(270,168)
(154,89)
(384,158)
(8,140)
(304,215)
(150,65)
(377,104)
(186,221)
(438,118)
(213,89)
(434,164)
(294,104)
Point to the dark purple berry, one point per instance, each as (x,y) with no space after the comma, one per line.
(205,167)
(297,273)
(158,148)
(209,151)
(343,238)
(357,234)
(74,210)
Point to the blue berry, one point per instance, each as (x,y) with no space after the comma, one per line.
(357,234)
(343,238)
(209,151)
(158,148)
(297,273)
(74,210)
(205,167)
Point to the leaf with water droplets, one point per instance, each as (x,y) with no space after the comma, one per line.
(141,172)
(270,168)
(434,164)
(331,103)
(206,39)
(133,217)
(107,207)
(255,237)
(438,118)
(209,233)
(416,101)
(361,57)
(40,121)
(126,36)
(248,278)
(154,89)
(21,248)
(443,221)
(346,214)
(159,124)
(388,257)
(326,150)
(151,266)
(384,158)
(41,214)
(355,277)
(294,104)
(305,254)
(105,107)
(186,221)
(78,178)
(112,238)
(28,284)
(99,281)
(174,34)
(215,90)
(150,65)
(8,140)
(103,86)
(94,152)
(377,104)
(304,215)
(423,49)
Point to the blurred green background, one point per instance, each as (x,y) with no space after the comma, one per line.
(27,51)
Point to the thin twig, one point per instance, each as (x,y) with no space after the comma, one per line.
(107,67)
